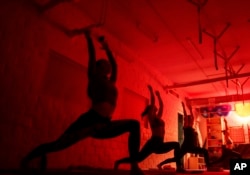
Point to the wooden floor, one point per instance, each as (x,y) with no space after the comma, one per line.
(107,172)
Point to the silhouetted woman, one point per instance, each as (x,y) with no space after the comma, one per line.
(190,143)
(156,143)
(227,147)
(96,122)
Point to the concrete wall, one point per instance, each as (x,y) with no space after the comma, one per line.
(43,90)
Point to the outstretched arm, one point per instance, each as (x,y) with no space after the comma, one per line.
(92,57)
(111,58)
(186,117)
(152,97)
(191,117)
(91,49)
(159,114)
(184,109)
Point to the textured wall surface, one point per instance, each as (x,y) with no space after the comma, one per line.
(43,90)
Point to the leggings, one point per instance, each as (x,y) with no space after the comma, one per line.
(188,149)
(157,146)
(91,124)
(228,153)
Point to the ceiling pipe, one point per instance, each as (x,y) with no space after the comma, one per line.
(219,99)
(242,90)
(215,39)
(199,6)
(237,82)
(199,82)
(227,59)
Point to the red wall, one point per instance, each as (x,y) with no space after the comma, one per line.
(41,94)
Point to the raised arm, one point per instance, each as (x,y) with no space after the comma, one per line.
(184,109)
(191,116)
(92,56)
(160,111)
(90,45)
(152,97)
(111,58)
(186,117)
(226,127)
(228,141)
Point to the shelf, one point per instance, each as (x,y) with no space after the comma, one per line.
(196,163)
(214,136)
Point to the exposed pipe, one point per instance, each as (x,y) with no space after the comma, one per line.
(199,82)
(215,39)
(164,22)
(199,6)
(241,67)
(219,99)
(243,100)
(227,59)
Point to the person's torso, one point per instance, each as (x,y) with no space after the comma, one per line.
(190,137)
(157,126)
(103,94)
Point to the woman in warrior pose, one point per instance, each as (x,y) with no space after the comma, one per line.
(227,148)
(156,143)
(96,122)
(190,143)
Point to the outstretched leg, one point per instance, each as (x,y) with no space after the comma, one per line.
(86,125)
(146,150)
(66,140)
(199,150)
(182,152)
(166,147)
(118,127)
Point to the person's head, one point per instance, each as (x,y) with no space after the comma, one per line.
(103,67)
(149,110)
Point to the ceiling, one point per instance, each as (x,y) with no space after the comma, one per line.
(191,48)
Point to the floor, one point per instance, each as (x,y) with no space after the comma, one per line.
(107,172)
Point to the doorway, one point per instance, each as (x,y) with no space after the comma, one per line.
(180,128)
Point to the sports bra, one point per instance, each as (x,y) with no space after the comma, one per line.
(102,90)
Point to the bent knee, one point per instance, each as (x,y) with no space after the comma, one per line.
(177,145)
(134,123)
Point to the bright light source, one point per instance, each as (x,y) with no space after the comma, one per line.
(243,110)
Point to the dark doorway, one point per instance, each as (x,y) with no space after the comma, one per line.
(180,128)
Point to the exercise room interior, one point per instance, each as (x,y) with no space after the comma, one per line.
(194,52)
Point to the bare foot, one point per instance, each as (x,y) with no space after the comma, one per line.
(136,171)
(159,167)
(116,165)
